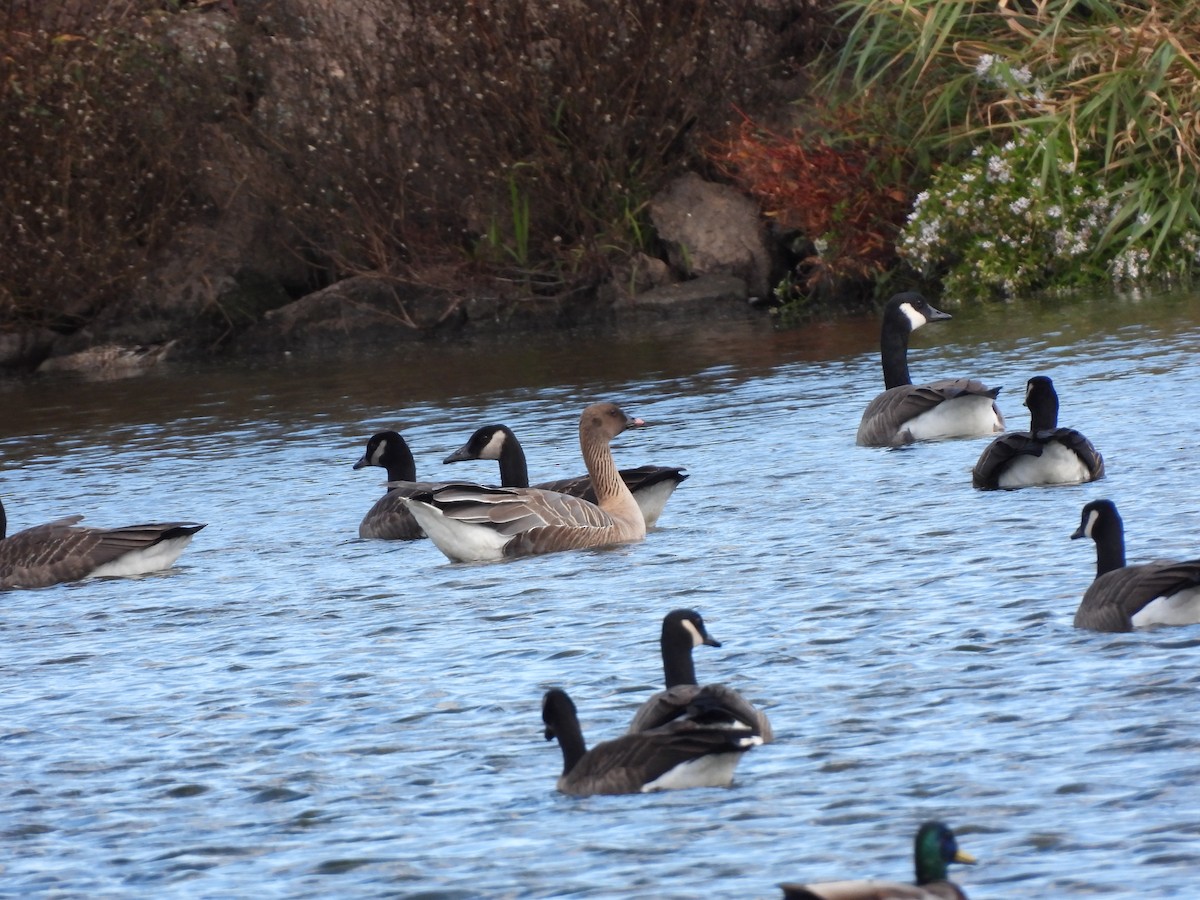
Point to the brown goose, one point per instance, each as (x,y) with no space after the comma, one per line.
(472,522)
(389,519)
(683,629)
(701,750)
(63,550)
(1045,454)
(651,486)
(904,412)
(934,849)
(1126,597)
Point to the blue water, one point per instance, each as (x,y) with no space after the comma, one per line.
(294,712)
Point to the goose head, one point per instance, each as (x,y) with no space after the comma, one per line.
(1101,522)
(390,451)
(1042,402)
(909,311)
(487,442)
(604,421)
(934,849)
(682,631)
(562,722)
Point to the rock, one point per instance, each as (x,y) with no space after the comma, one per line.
(356,312)
(25,349)
(703,299)
(713,229)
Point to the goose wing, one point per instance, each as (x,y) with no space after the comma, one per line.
(1112,599)
(389,519)
(63,551)
(712,701)
(625,764)
(999,453)
(636,479)
(883,419)
(512,511)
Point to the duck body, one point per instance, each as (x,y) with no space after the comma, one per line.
(63,551)
(1124,597)
(904,412)
(476,523)
(651,486)
(1044,455)
(682,630)
(702,750)
(934,849)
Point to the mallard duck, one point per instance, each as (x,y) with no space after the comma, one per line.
(934,849)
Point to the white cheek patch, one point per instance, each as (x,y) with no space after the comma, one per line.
(1093,517)
(493,447)
(377,456)
(697,637)
(915,319)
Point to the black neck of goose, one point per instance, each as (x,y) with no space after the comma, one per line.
(678,667)
(1043,413)
(513,470)
(893,351)
(399,463)
(1110,546)
(3,523)
(570,739)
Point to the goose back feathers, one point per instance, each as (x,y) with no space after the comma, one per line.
(64,550)
(1043,455)
(472,522)
(904,412)
(701,750)
(934,849)
(682,630)
(1126,597)
(651,486)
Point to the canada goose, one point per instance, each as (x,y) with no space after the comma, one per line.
(683,629)
(1045,454)
(63,550)
(472,522)
(389,519)
(904,412)
(651,486)
(701,750)
(1124,597)
(935,848)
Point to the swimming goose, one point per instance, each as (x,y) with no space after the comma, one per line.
(1125,597)
(935,848)
(683,629)
(472,522)
(904,412)
(701,750)
(63,550)
(651,486)
(389,519)
(1045,454)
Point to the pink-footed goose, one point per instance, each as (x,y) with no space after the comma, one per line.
(63,550)
(473,522)
(904,412)
(682,630)
(700,750)
(651,486)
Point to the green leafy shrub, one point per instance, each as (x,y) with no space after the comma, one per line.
(1098,95)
